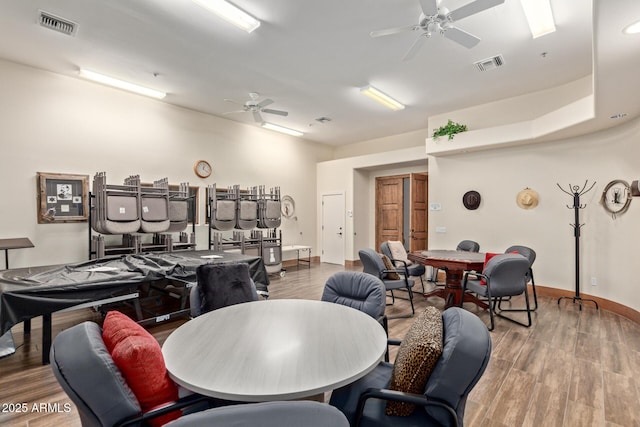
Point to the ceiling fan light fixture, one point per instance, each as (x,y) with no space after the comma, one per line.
(539,16)
(121,84)
(381,98)
(632,28)
(230,13)
(281,129)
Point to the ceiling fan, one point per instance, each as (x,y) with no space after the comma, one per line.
(255,107)
(435,18)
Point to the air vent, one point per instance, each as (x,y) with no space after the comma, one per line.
(56,23)
(489,63)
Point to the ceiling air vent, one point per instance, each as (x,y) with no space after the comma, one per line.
(489,63)
(56,23)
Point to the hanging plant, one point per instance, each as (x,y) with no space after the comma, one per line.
(450,129)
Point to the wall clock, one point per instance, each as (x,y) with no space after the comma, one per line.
(288,206)
(202,168)
(616,197)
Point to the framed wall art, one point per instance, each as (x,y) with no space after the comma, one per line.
(62,198)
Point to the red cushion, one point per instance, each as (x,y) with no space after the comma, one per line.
(138,356)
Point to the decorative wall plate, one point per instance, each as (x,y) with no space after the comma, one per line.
(288,206)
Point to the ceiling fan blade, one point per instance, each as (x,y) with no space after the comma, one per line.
(278,112)
(472,8)
(389,31)
(415,47)
(265,102)
(233,102)
(257,117)
(429,7)
(462,37)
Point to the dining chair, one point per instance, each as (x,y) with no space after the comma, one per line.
(358,290)
(529,254)
(397,253)
(393,278)
(504,275)
(87,373)
(266,414)
(221,285)
(465,246)
(465,345)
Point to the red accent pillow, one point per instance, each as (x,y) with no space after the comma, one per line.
(138,356)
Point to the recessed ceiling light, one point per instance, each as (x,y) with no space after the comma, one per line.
(632,28)
(381,98)
(230,13)
(121,84)
(539,17)
(281,129)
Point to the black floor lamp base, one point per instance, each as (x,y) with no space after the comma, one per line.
(579,300)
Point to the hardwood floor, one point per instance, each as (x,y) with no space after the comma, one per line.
(571,368)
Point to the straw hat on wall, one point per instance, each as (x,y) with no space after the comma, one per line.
(527,198)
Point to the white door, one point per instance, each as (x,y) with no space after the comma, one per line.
(333,228)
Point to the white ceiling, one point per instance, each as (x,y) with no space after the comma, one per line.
(311,57)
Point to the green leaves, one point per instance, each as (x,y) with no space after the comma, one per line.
(450,129)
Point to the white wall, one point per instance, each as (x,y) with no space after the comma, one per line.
(53,123)
(608,246)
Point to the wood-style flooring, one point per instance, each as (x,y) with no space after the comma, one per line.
(571,368)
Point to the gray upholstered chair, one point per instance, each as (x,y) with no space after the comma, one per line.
(468,246)
(465,355)
(503,276)
(220,285)
(529,254)
(400,260)
(267,414)
(358,290)
(88,375)
(372,264)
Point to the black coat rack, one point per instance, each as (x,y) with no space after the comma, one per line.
(575,192)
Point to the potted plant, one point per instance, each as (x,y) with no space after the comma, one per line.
(450,129)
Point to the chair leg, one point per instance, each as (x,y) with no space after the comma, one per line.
(528,310)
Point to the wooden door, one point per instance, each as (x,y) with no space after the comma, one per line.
(418,225)
(389,211)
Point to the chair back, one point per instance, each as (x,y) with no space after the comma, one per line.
(507,274)
(465,355)
(86,372)
(220,285)
(526,252)
(385,249)
(371,262)
(267,414)
(358,290)
(468,246)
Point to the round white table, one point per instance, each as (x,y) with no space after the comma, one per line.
(274,350)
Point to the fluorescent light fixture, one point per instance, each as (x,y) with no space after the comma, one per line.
(230,13)
(381,98)
(632,28)
(539,16)
(120,84)
(281,129)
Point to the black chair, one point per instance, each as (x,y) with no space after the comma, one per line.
(468,246)
(465,354)
(372,264)
(464,245)
(529,254)
(220,285)
(504,275)
(400,260)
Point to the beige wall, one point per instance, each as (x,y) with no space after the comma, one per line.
(52,123)
(607,245)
